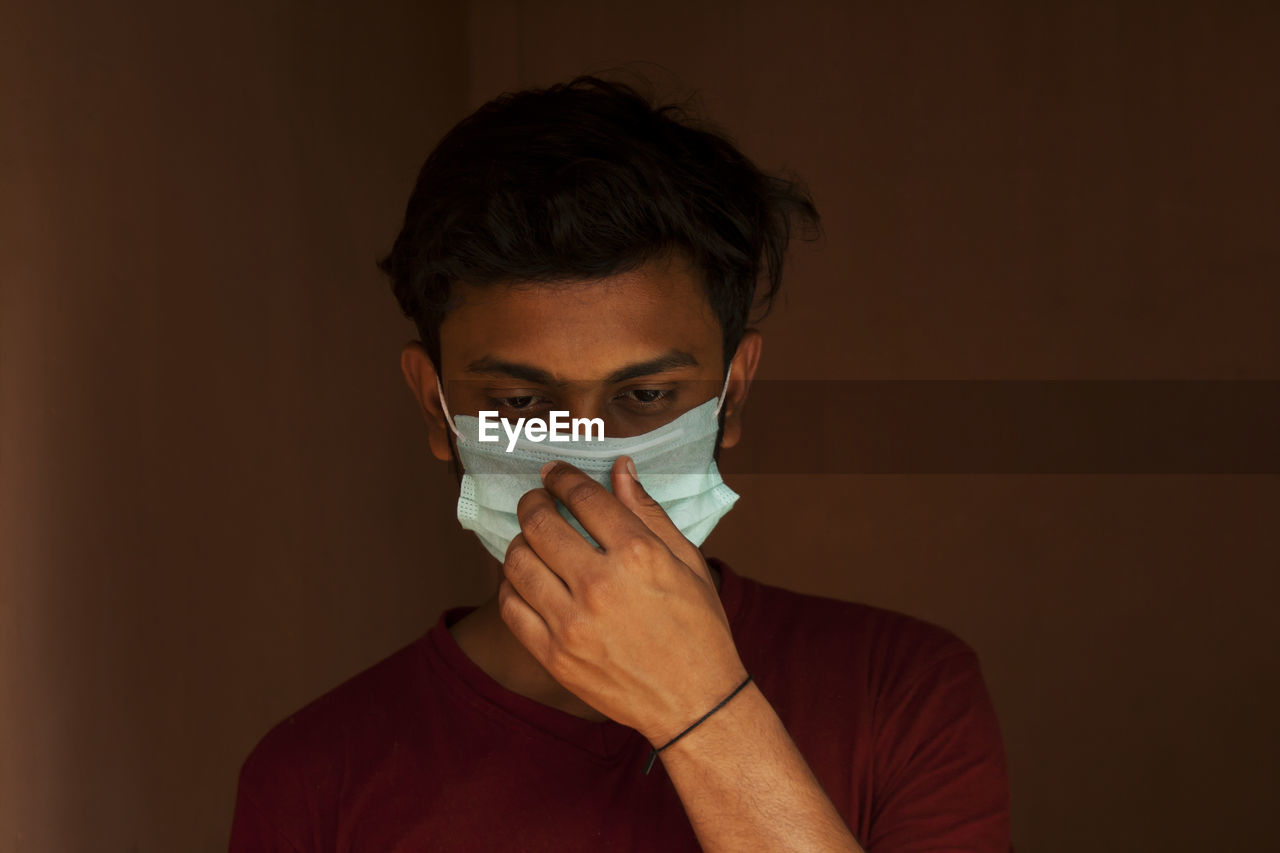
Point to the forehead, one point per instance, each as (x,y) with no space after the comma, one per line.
(586,328)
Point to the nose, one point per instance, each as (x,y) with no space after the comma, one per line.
(586,404)
(591,403)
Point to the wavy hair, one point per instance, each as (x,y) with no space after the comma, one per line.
(587,179)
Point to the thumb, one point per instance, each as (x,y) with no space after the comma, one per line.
(627,488)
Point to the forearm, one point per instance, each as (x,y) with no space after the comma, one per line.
(745,786)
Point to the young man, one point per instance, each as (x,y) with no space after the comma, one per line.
(577,250)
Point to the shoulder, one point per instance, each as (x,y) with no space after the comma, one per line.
(885,650)
(891,711)
(292,779)
(865,660)
(313,742)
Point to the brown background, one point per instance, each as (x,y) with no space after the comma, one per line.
(217,501)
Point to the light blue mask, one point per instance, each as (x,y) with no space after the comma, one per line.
(674,462)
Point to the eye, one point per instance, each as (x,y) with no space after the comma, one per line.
(524,401)
(647,396)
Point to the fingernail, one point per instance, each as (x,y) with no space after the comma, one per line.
(547,467)
(631,466)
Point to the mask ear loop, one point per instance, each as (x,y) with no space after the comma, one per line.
(720,404)
(447,417)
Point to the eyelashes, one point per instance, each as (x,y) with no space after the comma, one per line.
(637,399)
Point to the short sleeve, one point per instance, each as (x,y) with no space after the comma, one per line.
(266,806)
(940,776)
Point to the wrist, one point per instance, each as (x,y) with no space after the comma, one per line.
(662,744)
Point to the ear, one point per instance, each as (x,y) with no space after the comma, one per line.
(745,360)
(420,373)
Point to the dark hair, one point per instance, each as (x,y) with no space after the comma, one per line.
(586,179)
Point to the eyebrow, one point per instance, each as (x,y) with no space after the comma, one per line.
(527,372)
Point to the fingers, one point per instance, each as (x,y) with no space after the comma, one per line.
(537,585)
(627,488)
(525,623)
(551,538)
(607,520)
(621,522)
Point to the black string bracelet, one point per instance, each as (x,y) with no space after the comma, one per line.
(653,756)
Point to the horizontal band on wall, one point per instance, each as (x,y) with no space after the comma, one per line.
(1009,427)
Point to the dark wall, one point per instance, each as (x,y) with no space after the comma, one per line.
(212,502)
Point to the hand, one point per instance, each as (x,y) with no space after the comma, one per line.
(633,628)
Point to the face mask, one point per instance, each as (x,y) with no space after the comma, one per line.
(674,463)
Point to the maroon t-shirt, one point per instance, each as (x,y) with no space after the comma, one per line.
(424,751)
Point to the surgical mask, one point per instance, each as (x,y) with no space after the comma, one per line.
(674,463)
